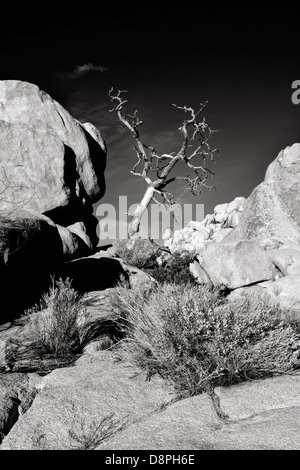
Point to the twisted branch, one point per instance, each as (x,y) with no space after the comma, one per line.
(155,169)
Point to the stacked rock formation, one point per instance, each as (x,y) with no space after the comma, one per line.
(252,244)
(214,227)
(49,163)
(51,173)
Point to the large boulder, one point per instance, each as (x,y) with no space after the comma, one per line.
(271,215)
(235,265)
(49,162)
(75,240)
(101,271)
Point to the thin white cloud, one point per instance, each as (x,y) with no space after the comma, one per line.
(81,70)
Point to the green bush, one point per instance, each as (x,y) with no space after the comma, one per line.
(197,340)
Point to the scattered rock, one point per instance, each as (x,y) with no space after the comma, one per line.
(51,173)
(214,228)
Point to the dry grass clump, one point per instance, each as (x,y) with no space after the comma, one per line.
(51,330)
(56,330)
(90,436)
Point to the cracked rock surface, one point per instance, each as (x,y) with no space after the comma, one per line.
(101,403)
(17,392)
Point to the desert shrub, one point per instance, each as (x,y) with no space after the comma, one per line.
(55,331)
(175,270)
(291,317)
(139,253)
(123,300)
(197,340)
(143,254)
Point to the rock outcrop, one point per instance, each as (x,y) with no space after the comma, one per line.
(74,401)
(271,216)
(192,238)
(49,162)
(101,271)
(105,404)
(236,265)
(17,393)
(51,173)
(253,242)
(255,415)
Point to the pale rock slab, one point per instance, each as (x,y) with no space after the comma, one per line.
(236,265)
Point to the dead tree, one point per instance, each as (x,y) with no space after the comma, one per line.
(156,169)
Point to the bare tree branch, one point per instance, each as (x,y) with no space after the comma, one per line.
(156,169)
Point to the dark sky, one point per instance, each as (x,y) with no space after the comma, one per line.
(243,61)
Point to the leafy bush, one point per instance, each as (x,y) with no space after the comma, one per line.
(197,340)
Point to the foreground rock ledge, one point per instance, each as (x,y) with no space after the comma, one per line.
(262,414)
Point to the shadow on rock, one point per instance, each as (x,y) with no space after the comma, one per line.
(90,274)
